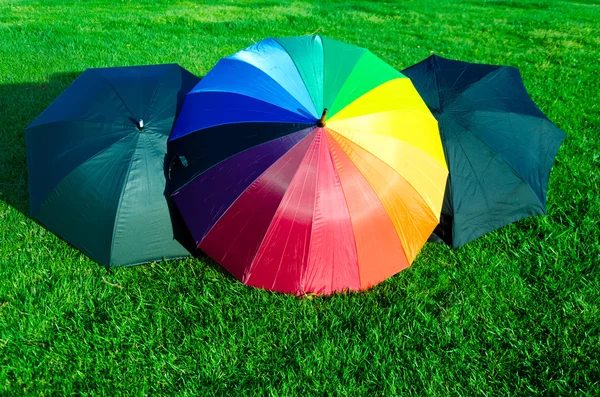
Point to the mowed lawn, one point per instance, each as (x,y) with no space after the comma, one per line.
(516,312)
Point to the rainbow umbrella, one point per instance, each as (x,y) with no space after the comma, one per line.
(306,165)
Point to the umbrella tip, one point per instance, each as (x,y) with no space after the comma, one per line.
(321,122)
(140,124)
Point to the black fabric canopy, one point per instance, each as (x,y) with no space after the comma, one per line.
(499,146)
(96,163)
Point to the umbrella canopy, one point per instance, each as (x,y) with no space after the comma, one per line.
(498,144)
(306,165)
(96,163)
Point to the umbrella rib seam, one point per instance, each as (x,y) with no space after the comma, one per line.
(76,167)
(337,75)
(332,115)
(335,170)
(504,160)
(197,174)
(300,74)
(121,195)
(154,97)
(445,167)
(76,121)
(249,271)
(291,96)
(251,97)
(304,270)
(429,210)
(255,179)
(115,91)
(482,78)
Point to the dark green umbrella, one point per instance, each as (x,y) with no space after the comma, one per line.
(96,163)
(499,146)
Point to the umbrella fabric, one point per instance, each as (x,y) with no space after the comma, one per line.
(96,163)
(306,165)
(498,144)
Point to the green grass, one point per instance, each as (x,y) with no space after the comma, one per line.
(515,312)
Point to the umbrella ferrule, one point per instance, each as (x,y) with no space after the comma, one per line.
(321,122)
(140,124)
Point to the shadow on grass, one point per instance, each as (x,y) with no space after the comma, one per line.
(20,104)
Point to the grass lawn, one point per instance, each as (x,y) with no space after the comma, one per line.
(516,312)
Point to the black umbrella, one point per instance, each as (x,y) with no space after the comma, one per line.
(96,163)
(499,146)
